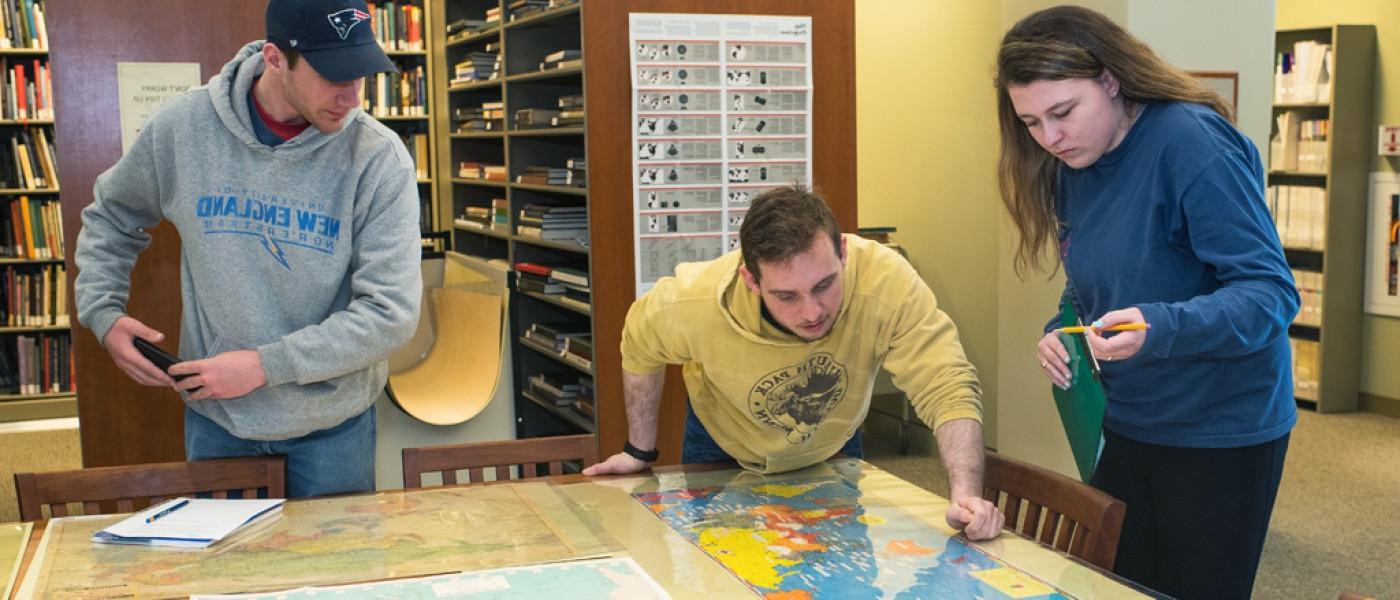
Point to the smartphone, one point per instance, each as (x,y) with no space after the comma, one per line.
(160,358)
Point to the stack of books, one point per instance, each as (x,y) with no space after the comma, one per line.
(544,175)
(1305,74)
(584,401)
(577,292)
(555,389)
(520,9)
(531,277)
(490,116)
(562,59)
(464,28)
(535,118)
(478,170)
(478,66)
(579,350)
(553,222)
(555,338)
(570,111)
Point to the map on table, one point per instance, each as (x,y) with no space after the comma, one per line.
(598,579)
(327,541)
(822,538)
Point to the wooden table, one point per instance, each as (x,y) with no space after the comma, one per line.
(685,571)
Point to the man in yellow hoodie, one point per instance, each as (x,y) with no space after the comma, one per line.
(780,353)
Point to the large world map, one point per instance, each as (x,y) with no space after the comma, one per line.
(822,538)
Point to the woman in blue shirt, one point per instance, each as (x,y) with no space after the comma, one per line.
(1155,203)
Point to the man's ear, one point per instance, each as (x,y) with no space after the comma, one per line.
(273,57)
(842,251)
(749,278)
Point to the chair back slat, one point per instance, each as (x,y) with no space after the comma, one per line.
(108,490)
(1060,512)
(220,494)
(507,459)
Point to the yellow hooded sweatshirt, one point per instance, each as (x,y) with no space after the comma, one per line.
(775,402)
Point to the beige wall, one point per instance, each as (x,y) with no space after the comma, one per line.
(927,147)
(925,153)
(1380,341)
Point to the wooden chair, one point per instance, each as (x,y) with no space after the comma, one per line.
(1058,511)
(123,489)
(503,457)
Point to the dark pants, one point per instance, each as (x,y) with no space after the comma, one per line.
(700,447)
(1196,517)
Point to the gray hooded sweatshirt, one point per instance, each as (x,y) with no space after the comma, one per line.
(307,252)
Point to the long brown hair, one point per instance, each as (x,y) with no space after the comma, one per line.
(1070,42)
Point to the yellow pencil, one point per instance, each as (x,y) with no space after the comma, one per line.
(1119,327)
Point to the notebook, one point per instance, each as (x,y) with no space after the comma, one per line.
(189,522)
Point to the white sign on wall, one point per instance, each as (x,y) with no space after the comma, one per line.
(1383,246)
(143,86)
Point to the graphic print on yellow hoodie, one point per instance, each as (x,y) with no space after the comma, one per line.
(775,402)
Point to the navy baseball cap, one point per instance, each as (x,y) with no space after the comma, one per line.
(333,35)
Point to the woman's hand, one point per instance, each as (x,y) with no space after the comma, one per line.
(1054,359)
(1124,344)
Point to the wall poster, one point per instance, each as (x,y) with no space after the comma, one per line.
(721,112)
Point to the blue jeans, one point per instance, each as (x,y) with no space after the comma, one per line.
(699,447)
(338,460)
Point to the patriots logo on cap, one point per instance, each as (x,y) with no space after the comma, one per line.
(345,20)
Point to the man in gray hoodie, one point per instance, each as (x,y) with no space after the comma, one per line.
(298,219)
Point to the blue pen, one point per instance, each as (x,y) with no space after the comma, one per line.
(167,510)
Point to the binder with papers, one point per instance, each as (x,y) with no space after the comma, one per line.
(189,522)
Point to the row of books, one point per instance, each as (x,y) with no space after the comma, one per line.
(562,59)
(1306,368)
(37,364)
(31,163)
(23,24)
(1299,144)
(1310,290)
(495,217)
(479,66)
(397,25)
(420,151)
(490,116)
(572,342)
(468,169)
(1303,75)
(397,94)
(1300,215)
(568,114)
(31,228)
(27,90)
(34,297)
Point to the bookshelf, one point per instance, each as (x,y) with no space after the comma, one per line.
(36,377)
(513,196)
(599,29)
(1318,185)
(402,101)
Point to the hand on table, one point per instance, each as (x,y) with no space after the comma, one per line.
(975,516)
(617,464)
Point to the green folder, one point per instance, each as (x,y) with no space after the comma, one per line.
(1082,405)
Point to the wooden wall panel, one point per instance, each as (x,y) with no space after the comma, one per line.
(123,422)
(607,86)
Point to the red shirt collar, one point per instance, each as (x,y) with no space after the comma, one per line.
(286,131)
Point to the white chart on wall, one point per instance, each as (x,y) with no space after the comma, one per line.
(721,112)
(1383,246)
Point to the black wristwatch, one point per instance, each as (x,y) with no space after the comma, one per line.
(640,454)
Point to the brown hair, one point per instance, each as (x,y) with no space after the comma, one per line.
(1070,42)
(783,223)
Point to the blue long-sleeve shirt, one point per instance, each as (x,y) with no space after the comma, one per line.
(1173,221)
